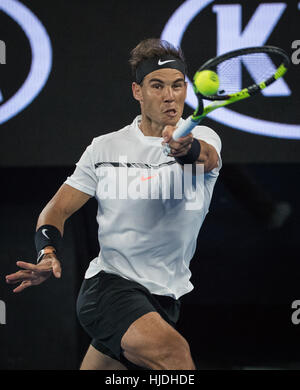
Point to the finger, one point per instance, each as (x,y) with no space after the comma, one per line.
(18,276)
(179,144)
(11,276)
(40,267)
(188,137)
(180,153)
(30,266)
(57,269)
(186,144)
(174,147)
(14,281)
(185,150)
(167,133)
(22,286)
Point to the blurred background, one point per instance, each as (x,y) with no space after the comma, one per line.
(65,79)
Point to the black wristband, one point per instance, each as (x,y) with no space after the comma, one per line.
(192,155)
(48,235)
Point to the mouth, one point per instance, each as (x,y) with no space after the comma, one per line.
(171,112)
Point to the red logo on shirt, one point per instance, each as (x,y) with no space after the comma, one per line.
(147,178)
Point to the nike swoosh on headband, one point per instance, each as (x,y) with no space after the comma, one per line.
(164,62)
(44,233)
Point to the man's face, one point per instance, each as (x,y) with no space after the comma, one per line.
(162,95)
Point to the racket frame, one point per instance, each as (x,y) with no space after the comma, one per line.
(219,101)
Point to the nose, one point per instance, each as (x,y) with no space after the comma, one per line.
(168,94)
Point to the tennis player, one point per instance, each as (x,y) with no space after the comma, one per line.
(129,301)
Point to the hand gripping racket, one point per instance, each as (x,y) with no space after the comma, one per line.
(266,64)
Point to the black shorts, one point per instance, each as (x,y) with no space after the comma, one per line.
(108,304)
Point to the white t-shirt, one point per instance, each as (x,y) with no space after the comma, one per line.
(150,209)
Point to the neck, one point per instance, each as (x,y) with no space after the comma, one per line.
(150,128)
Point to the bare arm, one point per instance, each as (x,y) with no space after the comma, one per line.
(65,202)
(208,154)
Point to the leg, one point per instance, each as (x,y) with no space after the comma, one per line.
(95,360)
(152,343)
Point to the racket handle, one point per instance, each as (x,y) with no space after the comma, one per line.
(185,128)
(181,131)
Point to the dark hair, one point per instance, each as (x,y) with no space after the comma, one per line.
(153,47)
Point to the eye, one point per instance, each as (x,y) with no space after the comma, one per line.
(178,85)
(157,86)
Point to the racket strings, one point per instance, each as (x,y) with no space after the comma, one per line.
(243,71)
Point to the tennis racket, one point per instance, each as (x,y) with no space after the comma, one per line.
(266,65)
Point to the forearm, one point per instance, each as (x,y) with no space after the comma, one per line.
(208,156)
(65,202)
(52,215)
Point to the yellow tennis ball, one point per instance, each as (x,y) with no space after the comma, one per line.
(207,82)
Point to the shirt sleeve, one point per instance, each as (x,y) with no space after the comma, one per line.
(211,137)
(84,177)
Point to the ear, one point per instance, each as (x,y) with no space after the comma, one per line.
(137,92)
